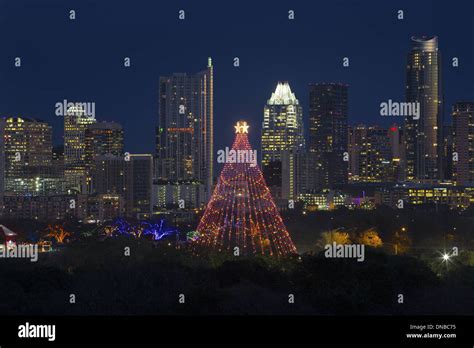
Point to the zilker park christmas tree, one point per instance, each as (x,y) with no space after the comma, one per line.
(241,216)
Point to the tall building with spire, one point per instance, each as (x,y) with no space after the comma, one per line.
(184,136)
(282,140)
(424,135)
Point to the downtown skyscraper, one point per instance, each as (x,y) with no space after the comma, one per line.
(76,122)
(463,142)
(423,136)
(26,155)
(282,140)
(184,136)
(328,132)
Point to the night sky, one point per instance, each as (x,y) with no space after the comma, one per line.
(82,60)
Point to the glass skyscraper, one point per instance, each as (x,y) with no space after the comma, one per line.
(184,136)
(282,139)
(423,136)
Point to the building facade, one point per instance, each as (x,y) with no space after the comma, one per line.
(328,131)
(75,170)
(103,138)
(184,136)
(282,140)
(372,154)
(130,177)
(463,143)
(423,136)
(26,155)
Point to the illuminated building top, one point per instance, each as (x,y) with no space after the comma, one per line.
(283,95)
(425,43)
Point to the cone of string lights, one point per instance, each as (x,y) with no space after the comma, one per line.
(241,215)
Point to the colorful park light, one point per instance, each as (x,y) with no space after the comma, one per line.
(157,231)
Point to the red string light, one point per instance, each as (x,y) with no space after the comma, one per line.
(241,212)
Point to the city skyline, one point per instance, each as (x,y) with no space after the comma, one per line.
(220,162)
(184,133)
(134,103)
(303,150)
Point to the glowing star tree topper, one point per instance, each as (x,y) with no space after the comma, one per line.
(241,127)
(241,214)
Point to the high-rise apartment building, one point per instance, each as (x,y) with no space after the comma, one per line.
(371,154)
(184,136)
(423,134)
